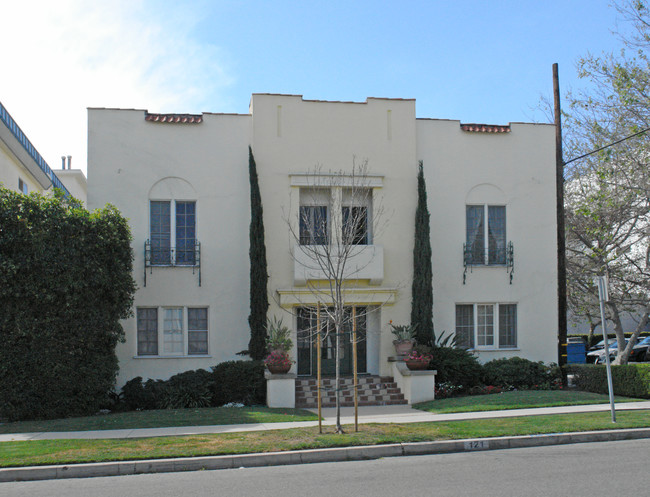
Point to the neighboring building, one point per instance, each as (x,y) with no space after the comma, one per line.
(24,170)
(182,181)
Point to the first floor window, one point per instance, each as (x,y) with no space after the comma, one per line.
(147,331)
(197,331)
(184,331)
(173,331)
(486,326)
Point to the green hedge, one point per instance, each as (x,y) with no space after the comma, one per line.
(630,380)
(65,283)
(233,381)
(456,366)
(516,372)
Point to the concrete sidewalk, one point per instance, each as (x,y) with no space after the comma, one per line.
(374,414)
(387,414)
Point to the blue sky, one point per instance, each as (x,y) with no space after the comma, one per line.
(476,61)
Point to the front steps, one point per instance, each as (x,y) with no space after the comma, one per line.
(372,391)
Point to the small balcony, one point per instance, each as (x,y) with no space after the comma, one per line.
(477,256)
(188,256)
(364,262)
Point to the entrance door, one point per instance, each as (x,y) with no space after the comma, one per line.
(308,337)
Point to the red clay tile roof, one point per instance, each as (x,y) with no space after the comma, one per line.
(485,128)
(174,118)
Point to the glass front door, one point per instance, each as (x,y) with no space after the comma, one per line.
(308,339)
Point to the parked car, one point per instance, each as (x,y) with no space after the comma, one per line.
(640,352)
(597,355)
(601,345)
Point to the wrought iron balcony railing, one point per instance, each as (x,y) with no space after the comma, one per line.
(172,257)
(503,256)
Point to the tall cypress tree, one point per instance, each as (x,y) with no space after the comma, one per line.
(259,300)
(422,290)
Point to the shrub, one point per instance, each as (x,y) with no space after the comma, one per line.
(65,283)
(239,381)
(518,372)
(190,389)
(455,366)
(629,380)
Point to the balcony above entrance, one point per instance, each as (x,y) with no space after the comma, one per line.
(363,262)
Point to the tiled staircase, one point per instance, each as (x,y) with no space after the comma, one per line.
(372,391)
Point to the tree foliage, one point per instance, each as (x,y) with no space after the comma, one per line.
(422,290)
(608,193)
(259,300)
(65,283)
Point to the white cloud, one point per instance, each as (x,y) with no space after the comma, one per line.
(61,57)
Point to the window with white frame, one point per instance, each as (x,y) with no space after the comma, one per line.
(184,331)
(485,234)
(172,232)
(486,326)
(317,219)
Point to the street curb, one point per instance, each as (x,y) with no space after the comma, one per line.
(311,456)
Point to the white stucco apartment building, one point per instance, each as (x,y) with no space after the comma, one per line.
(182,181)
(23,169)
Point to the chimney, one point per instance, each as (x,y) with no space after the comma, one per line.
(63,162)
(69,162)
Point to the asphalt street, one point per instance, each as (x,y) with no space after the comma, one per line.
(587,469)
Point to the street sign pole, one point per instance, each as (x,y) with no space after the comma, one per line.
(601,282)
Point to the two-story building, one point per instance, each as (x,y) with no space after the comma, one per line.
(182,181)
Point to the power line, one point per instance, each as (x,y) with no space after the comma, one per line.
(606,146)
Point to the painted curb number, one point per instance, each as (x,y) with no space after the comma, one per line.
(477,445)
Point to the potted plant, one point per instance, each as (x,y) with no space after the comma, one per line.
(278,362)
(404,337)
(278,337)
(417,360)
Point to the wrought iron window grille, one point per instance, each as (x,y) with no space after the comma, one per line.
(172,257)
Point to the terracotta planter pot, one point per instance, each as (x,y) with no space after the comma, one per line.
(403,347)
(278,368)
(417,365)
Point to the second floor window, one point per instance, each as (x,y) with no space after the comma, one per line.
(173,236)
(314,227)
(486,234)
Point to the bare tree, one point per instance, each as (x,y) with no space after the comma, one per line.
(332,245)
(608,192)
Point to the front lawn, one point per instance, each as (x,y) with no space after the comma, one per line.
(163,418)
(30,453)
(519,399)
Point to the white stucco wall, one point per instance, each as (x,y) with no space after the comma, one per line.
(292,136)
(516,169)
(11,170)
(127,157)
(132,160)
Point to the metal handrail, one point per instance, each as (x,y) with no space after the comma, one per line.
(171,258)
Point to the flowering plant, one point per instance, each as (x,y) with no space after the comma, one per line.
(278,359)
(417,356)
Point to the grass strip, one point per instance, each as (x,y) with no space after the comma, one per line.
(31,453)
(163,418)
(520,399)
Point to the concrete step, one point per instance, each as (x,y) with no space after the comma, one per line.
(372,391)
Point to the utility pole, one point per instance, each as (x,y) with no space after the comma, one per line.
(561,241)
